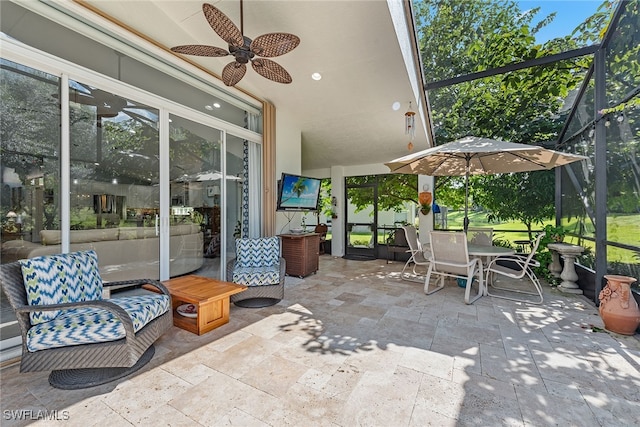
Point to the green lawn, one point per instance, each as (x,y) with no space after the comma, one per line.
(620,228)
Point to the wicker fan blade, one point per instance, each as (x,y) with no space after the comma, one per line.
(222,25)
(271,70)
(274,44)
(233,72)
(199,50)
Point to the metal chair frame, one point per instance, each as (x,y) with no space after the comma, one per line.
(417,257)
(525,264)
(450,258)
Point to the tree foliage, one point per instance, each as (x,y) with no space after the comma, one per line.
(525,106)
(394,190)
(535,204)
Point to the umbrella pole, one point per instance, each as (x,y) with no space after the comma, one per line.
(466,198)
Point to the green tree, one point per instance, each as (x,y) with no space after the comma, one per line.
(394,190)
(458,38)
(325,207)
(533,207)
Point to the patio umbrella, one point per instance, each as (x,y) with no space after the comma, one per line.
(473,155)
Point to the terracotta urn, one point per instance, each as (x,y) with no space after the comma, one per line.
(618,308)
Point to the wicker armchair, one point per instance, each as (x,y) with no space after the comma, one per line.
(121,331)
(259,266)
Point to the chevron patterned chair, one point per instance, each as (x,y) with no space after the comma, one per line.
(259,266)
(68,328)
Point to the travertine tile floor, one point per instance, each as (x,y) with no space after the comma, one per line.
(355,345)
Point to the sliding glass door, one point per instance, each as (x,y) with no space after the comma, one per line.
(195,188)
(29,170)
(114,171)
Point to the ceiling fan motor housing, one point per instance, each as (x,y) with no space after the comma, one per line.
(243,53)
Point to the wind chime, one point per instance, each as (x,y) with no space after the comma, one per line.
(410,126)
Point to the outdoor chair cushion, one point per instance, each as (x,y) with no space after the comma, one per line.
(264,251)
(57,279)
(88,325)
(257,276)
(257,261)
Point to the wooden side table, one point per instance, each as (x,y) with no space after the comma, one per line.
(210,296)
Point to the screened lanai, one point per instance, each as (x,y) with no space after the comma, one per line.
(590,107)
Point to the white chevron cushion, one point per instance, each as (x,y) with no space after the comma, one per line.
(257,276)
(93,325)
(262,251)
(56,279)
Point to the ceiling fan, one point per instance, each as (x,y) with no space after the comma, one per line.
(243,48)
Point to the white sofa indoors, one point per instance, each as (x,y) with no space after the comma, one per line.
(124,253)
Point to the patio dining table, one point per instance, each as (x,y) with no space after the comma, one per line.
(487,253)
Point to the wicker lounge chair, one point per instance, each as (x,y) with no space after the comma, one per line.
(259,266)
(53,309)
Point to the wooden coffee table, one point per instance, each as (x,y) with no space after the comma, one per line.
(210,296)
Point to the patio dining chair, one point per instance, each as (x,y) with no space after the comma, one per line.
(450,258)
(417,257)
(480,236)
(516,267)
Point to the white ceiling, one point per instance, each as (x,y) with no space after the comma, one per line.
(346,118)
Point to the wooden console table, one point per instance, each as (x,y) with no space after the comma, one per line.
(210,296)
(301,251)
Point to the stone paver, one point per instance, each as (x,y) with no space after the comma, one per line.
(355,345)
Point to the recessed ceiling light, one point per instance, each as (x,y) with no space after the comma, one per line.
(316,76)
(395,106)
(208,107)
(217,105)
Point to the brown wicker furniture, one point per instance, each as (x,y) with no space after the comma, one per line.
(322,230)
(301,253)
(84,365)
(210,298)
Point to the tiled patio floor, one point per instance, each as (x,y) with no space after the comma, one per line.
(354,345)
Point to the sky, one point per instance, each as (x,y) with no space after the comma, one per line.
(570,13)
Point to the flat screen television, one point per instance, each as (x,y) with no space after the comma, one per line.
(298,193)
